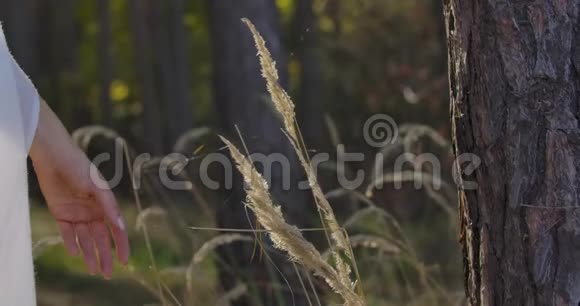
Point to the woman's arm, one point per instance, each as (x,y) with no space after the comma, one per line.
(87,216)
(50,137)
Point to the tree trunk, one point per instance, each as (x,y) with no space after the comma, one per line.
(22,33)
(242,100)
(59,46)
(169,39)
(311,102)
(162,59)
(150,123)
(181,108)
(105,62)
(514,77)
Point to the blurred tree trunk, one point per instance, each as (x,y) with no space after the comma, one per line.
(437,7)
(61,48)
(21,26)
(515,95)
(162,62)
(151,126)
(105,62)
(311,102)
(170,59)
(181,113)
(241,100)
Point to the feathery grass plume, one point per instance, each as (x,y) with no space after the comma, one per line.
(280,97)
(284,236)
(284,105)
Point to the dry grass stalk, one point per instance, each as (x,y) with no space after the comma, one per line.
(190,137)
(382,245)
(206,249)
(332,130)
(284,236)
(375,212)
(232,295)
(426,180)
(410,135)
(43,244)
(414,131)
(145,230)
(84,136)
(284,105)
(144,215)
(371,209)
(280,97)
(216,242)
(373,242)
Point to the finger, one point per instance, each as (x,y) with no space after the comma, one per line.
(86,243)
(102,241)
(107,200)
(121,242)
(67,232)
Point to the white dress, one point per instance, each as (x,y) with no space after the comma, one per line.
(19,107)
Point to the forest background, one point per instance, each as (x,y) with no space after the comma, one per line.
(171,75)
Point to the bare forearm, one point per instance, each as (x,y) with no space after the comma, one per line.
(51,138)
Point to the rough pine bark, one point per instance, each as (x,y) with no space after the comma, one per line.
(514,78)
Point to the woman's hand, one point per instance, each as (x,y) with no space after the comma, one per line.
(86,214)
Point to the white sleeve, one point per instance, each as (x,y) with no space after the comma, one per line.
(29,103)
